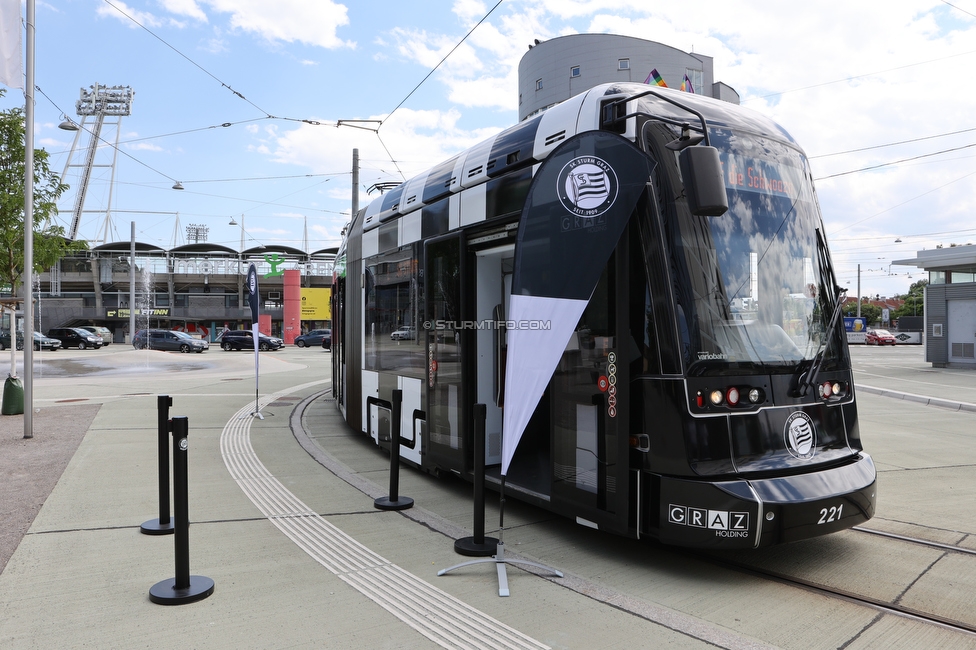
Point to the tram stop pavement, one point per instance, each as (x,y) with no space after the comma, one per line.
(80,576)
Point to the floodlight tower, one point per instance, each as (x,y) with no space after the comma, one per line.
(102,106)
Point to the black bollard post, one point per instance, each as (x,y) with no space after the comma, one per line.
(478,545)
(184,588)
(394,501)
(163,525)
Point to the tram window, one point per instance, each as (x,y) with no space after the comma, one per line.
(392,338)
(388,236)
(506,195)
(435,219)
(642,325)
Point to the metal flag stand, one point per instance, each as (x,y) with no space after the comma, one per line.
(498,559)
(254,300)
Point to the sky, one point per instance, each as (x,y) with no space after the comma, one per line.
(254,107)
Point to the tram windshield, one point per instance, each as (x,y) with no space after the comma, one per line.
(754,294)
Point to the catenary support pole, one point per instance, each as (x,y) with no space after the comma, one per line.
(28,232)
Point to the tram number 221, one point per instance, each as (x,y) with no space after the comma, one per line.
(831,514)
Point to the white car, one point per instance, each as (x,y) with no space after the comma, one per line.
(404,333)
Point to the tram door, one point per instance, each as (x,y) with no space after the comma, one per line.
(589,410)
(339,341)
(446,410)
(493,287)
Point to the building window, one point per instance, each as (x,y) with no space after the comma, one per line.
(574,71)
(695,77)
(538,84)
(623,64)
(937,277)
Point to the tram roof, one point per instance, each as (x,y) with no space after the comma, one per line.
(519,145)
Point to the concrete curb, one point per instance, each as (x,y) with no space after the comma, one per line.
(921,399)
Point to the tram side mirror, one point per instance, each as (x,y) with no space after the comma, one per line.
(701,170)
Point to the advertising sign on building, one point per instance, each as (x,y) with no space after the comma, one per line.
(316,304)
(856,327)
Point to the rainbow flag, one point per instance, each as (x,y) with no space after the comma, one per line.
(656,77)
(686,85)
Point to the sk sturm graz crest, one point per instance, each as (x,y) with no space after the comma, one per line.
(587,186)
(801,435)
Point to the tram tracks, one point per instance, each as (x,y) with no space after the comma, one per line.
(916,540)
(851,593)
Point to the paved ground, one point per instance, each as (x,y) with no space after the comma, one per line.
(299,556)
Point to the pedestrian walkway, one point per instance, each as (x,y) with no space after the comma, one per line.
(905,375)
(298,555)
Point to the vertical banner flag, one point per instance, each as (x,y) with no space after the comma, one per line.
(254,300)
(578,205)
(11,45)
(687,86)
(656,78)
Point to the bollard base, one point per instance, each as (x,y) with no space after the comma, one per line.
(402,503)
(153,527)
(468,546)
(166,593)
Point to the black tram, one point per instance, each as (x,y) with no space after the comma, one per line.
(702,393)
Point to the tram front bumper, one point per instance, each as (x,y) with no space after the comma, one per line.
(760,512)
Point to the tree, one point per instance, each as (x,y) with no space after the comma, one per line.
(869,312)
(50,244)
(914,301)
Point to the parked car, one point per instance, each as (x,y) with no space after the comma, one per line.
(169,340)
(75,337)
(405,333)
(5,340)
(879,337)
(244,340)
(104,332)
(316,338)
(42,342)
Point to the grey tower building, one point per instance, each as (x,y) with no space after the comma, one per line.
(555,70)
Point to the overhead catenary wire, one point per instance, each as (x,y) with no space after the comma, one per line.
(891,144)
(207,72)
(896,162)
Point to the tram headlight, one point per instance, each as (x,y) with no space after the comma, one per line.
(826,390)
(755,395)
(716,397)
(838,388)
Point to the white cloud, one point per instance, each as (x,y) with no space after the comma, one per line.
(126,14)
(417,140)
(312,23)
(188,8)
(144,146)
